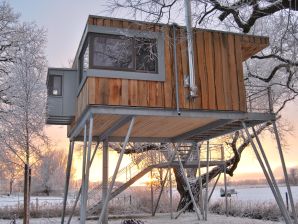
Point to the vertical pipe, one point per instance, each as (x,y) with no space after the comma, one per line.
(278,201)
(282,159)
(176,70)
(171,193)
(105,163)
(106,201)
(207,182)
(192,81)
(67,178)
(83,175)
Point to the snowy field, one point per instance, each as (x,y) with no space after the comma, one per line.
(164,219)
(257,194)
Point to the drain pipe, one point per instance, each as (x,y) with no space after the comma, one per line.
(175,68)
(192,81)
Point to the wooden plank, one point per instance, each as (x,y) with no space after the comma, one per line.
(168,86)
(209,52)
(196,103)
(202,69)
(226,71)
(219,82)
(92,90)
(233,73)
(239,69)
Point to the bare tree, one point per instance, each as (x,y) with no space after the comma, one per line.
(22,126)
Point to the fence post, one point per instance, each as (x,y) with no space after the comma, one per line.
(36,205)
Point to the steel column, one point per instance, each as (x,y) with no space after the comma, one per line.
(285,171)
(105,176)
(225,183)
(80,191)
(106,201)
(171,193)
(86,181)
(83,175)
(214,186)
(207,183)
(274,183)
(279,203)
(67,178)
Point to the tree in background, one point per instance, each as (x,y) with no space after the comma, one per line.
(275,67)
(24,94)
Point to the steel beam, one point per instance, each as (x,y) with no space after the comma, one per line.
(188,187)
(67,178)
(80,191)
(160,193)
(86,181)
(285,171)
(278,201)
(139,111)
(83,176)
(118,124)
(196,131)
(106,201)
(207,182)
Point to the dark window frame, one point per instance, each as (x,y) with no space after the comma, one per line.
(50,88)
(90,41)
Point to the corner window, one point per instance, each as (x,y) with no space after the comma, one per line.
(55,85)
(117,52)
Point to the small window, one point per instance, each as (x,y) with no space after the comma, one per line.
(55,85)
(118,52)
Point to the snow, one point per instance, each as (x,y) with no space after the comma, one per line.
(164,219)
(257,194)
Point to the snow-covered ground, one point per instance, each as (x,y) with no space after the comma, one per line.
(164,219)
(258,194)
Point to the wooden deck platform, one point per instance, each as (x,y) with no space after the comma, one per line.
(161,125)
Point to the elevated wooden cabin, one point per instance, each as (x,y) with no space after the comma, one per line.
(128,68)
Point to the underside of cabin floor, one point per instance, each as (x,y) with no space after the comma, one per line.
(160,125)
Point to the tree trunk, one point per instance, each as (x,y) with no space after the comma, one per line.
(26,195)
(10,186)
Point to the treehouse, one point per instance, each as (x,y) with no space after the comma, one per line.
(128,68)
(144,82)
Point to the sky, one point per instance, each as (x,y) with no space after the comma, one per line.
(65,20)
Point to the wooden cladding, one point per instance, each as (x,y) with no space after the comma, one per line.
(218,71)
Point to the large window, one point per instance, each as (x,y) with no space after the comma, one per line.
(55,85)
(116,52)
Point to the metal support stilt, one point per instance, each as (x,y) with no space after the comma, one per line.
(207,183)
(171,193)
(83,175)
(105,176)
(151,191)
(68,169)
(160,193)
(279,202)
(214,186)
(80,191)
(285,171)
(106,201)
(188,187)
(86,180)
(225,183)
(201,203)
